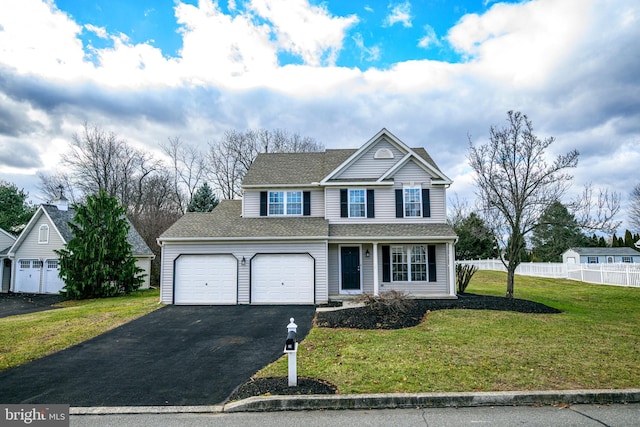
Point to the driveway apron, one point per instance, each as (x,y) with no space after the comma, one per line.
(177,355)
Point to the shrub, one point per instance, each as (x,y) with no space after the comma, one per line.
(464,273)
(390,303)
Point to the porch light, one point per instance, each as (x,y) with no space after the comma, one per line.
(244,261)
(367,254)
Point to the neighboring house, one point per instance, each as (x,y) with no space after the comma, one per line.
(36,265)
(318,226)
(6,241)
(600,255)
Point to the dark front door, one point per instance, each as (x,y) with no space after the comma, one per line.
(350,268)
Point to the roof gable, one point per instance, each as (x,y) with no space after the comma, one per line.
(384,154)
(59,220)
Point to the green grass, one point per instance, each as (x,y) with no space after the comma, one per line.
(30,336)
(594,343)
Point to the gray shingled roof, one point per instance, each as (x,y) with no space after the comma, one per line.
(391,230)
(303,168)
(623,251)
(294,168)
(61,220)
(225,222)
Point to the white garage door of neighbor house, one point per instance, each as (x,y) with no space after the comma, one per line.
(206,279)
(52,282)
(28,275)
(282,279)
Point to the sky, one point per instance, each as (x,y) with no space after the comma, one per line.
(435,73)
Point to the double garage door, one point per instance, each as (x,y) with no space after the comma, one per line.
(274,279)
(31,272)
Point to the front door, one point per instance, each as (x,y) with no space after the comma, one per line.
(350,269)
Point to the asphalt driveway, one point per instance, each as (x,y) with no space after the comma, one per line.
(177,355)
(12,304)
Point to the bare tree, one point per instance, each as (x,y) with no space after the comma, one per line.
(634,208)
(599,214)
(189,168)
(516,184)
(50,185)
(98,160)
(231,157)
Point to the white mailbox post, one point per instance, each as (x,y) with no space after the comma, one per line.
(291,348)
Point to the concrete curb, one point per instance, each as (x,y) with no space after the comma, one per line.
(385,401)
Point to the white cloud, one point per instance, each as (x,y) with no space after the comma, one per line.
(429,39)
(520,44)
(368,54)
(399,13)
(98,31)
(305,30)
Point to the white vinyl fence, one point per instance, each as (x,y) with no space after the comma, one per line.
(620,274)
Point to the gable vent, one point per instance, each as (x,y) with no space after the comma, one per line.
(383,153)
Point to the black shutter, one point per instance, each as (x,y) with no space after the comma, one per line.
(386,264)
(306,203)
(399,204)
(371,210)
(344,205)
(263,203)
(426,203)
(431,261)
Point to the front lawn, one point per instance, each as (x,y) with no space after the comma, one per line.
(30,336)
(594,343)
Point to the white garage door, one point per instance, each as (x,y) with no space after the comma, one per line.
(206,279)
(282,279)
(52,281)
(28,275)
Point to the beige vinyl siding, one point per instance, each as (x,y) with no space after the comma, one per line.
(251,202)
(145,265)
(30,248)
(385,207)
(423,289)
(369,167)
(317,249)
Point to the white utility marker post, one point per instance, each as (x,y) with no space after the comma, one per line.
(291,348)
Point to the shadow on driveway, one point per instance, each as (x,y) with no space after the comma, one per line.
(177,355)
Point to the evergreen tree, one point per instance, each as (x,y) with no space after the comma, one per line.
(628,239)
(602,243)
(15,210)
(556,232)
(475,240)
(614,241)
(203,200)
(98,261)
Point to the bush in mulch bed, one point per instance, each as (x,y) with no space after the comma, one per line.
(280,386)
(415,311)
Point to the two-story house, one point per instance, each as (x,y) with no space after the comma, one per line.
(317,226)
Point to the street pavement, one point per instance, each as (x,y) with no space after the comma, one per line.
(616,415)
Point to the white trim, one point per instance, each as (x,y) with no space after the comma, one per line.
(376,276)
(349,291)
(452,268)
(285,203)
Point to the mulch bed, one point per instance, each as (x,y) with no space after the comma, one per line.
(364,318)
